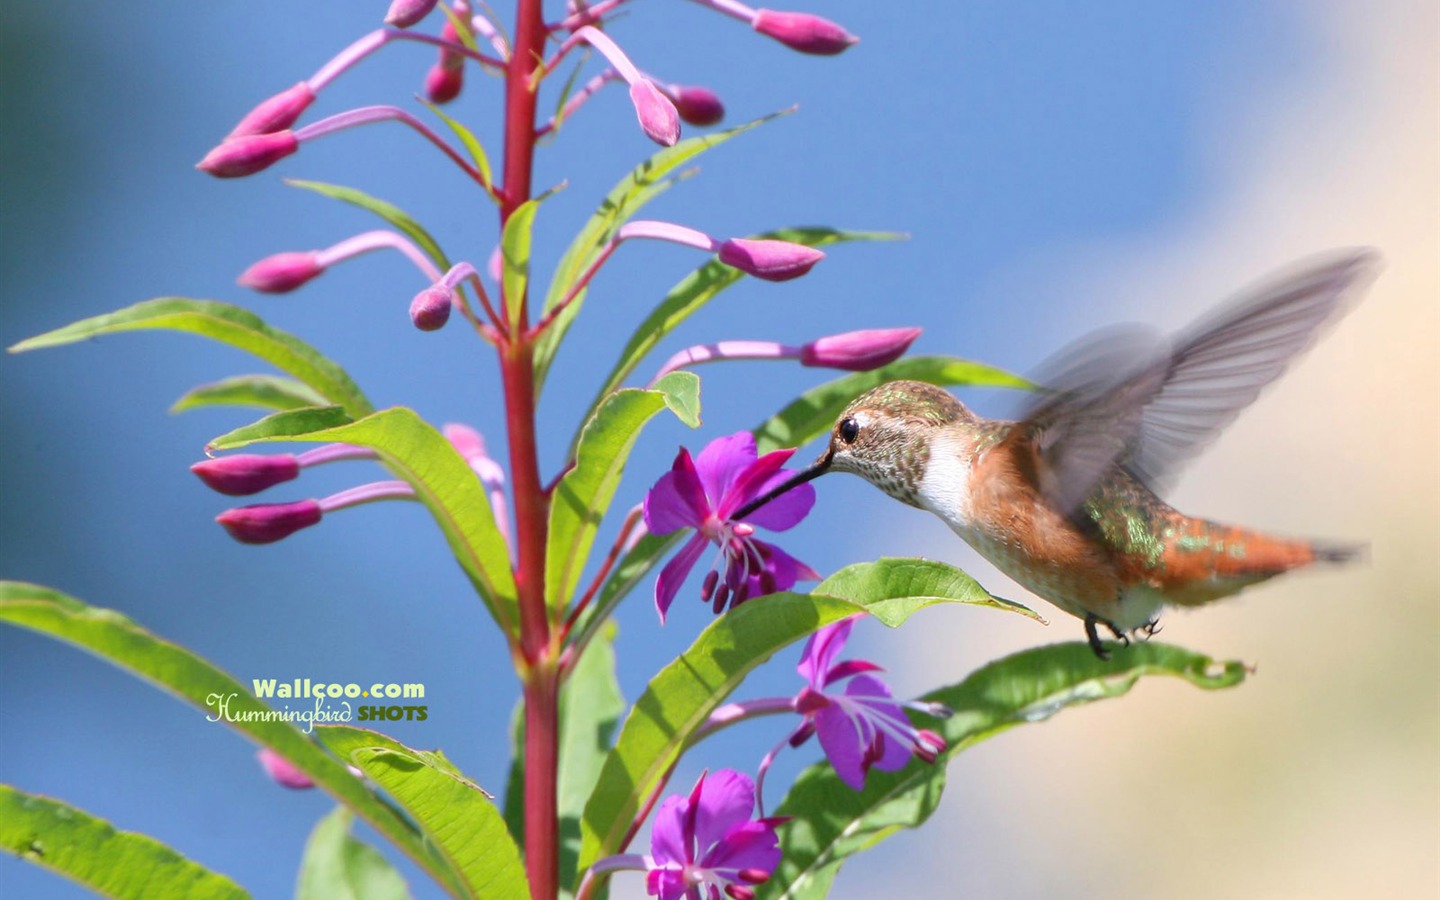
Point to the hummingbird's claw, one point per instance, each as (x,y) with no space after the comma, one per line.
(1093,635)
(1149,629)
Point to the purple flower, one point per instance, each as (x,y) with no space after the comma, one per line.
(862,727)
(707,842)
(703,493)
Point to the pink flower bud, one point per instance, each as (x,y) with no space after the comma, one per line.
(282,272)
(770,260)
(248,154)
(269,522)
(697,105)
(658,118)
(859,351)
(246,473)
(803,32)
(430,309)
(276,114)
(283,771)
(443,83)
(404,13)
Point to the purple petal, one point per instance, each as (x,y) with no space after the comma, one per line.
(844,739)
(786,510)
(673,575)
(749,845)
(727,799)
(748,484)
(677,500)
(784,568)
(848,668)
(668,841)
(667,884)
(895,752)
(723,461)
(820,651)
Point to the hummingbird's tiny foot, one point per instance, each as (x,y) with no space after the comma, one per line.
(1149,629)
(1093,635)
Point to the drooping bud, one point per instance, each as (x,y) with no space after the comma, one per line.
(282,771)
(447,76)
(269,522)
(282,272)
(248,154)
(430,309)
(404,13)
(247,473)
(769,259)
(658,117)
(859,351)
(277,113)
(444,81)
(804,32)
(696,105)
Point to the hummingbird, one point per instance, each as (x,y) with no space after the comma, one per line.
(1066,499)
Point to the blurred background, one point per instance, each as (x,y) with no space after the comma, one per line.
(1059,167)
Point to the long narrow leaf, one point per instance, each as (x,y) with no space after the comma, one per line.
(832,822)
(115,638)
(120,864)
(271,392)
(454,814)
(583,495)
(443,481)
(227,324)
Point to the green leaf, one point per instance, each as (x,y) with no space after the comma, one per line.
(264,391)
(893,589)
(515,255)
(397,217)
(114,637)
(454,814)
(583,495)
(227,324)
(590,708)
(702,285)
(682,696)
(814,412)
(833,822)
(645,182)
(442,480)
(338,866)
(112,863)
(466,136)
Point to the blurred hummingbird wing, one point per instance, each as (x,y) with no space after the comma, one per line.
(1168,401)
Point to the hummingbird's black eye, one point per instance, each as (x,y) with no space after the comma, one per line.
(849,430)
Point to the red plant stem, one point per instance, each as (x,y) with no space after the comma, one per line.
(540,675)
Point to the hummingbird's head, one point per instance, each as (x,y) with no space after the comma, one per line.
(884,435)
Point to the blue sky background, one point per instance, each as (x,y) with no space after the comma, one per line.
(1058,167)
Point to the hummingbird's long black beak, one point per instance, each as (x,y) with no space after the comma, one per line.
(818,468)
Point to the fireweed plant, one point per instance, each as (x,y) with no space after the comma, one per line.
(525,537)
